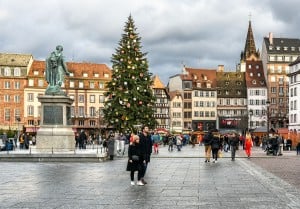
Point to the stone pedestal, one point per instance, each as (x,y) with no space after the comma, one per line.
(55,133)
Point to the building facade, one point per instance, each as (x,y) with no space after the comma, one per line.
(277,54)
(162,105)
(13,75)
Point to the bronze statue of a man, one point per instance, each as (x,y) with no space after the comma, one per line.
(56,69)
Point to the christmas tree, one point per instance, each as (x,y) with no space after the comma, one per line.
(130,98)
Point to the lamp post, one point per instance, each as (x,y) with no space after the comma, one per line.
(250,114)
(268,118)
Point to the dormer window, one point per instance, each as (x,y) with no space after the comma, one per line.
(96,75)
(205,77)
(251,74)
(85,75)
(227,83)
(208,85)
(195,77)
(293,48)
(258,74)
(198,84)
(238,83)
(270,48)
(254,82)
(35,72)
(277,48)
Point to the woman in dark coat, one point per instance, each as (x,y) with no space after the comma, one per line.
(111,146)
(215,146)
(135,160)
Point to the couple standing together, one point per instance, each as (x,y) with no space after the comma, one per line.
(139,153)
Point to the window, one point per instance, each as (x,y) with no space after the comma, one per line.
(92,98)
(81,98)
(30,82)
(102,99)
(206,113)
(17,71)
(81,84)
(7,98)
(273,90)
(35,72)
(258,74)
(81,122)
(187,95)
(92,85)
(7,114)
(17,115)
(7,85)
(17,85)
(177,104)
(7,71)
(92,123)
(41,83)
(85,75)
(212,94)
(30,110)
(101,85)
(254,82)
(106,75)
(81,111)
(17,98)
(72,85)
(30,97)
(96,75)
(92,111)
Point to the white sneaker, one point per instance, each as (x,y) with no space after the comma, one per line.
(216,161)
(140,183)
(132,183)
(213,160)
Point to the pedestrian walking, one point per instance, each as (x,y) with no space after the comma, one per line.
(207,145)
(146,147)
(135,160)
(178,142)
(248,144)
(111,145)
(215,146)
(234,142)
(298,148)
(155,139)
(171,142)
(82,140)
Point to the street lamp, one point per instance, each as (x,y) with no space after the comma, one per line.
(268,118)
(250,114)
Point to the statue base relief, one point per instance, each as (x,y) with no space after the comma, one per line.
(55,133)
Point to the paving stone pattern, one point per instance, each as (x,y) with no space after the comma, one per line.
(175,180)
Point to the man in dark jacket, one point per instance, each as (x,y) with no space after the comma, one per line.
(146,148)
(82,139)
(234,143)
(207,145)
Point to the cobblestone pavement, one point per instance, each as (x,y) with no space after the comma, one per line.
(175,180)
(286,166)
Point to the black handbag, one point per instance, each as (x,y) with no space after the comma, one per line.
(135,157)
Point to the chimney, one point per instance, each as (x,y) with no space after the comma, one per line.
(271,38)
(220,68)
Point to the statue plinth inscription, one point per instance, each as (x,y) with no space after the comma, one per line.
(53,115)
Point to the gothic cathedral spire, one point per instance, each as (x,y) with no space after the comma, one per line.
(250,49)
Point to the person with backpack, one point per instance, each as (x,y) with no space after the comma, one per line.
(207,145)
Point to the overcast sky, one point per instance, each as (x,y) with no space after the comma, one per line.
(197,33)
